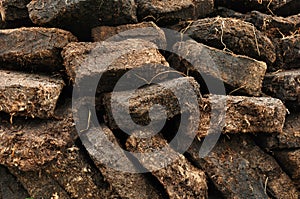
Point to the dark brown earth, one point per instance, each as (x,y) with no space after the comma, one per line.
(231,73)
(240,73)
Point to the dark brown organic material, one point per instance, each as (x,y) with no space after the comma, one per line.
(127,185)
(10,187)
(171,11)
(33,48)
(248,5)
(240,169)
(142,100)
(87,62)
(14,13)
(239,73)
(40,184)
(234,35)
(284,85)
(28,144)
(241,114)
(180,178)
(82,15)
(148,31)
(289,138)
(288,55)
(74,173)
(29,95)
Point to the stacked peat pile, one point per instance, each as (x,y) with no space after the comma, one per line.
(250,46)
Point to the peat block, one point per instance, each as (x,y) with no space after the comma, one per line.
(28,144)
(87,62)
(33,48)
(283,85)
(180,178)
(148,31)
(240,169)
(288,139)
(29,94)
(288,54)
(143,99)
(249,5)
(242,114)
(10,187)
(172,11)
(290,162)
(127,185)
(235,35)
(272,26)
(239,73)
(40,184)
(80,16)
(78,177)
(14,13)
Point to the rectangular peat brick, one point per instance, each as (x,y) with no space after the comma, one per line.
(284,85)
(77,176)
(288,139)
(172,11)
(79,16)
(40,184)
(29,144)
(239,73)
(28,94)
(179,177)
(288,54)
(9,185)
(233,35)
(33,48)
(148,31)
(86,63)
(127,185)
(14,13)
(240,169)
(142,100)
(240,114)
(290,162)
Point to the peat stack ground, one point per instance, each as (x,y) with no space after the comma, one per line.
(135,99)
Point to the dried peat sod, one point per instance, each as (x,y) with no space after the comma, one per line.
(149,99)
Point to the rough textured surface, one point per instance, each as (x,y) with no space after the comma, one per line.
(272,26)
(33,48)
(9,186)
(290,162)
(240,169)
(143,99)
(82,15)
(284,85)
(148,31)
(180,178)
(242,114)
(248,5)
(239,73)
(28,94)
(288,54)
(171,11)
(75,174)
(28,144)
(289,138)
(14,13)
(87,62)
(290,7)
(40,184)
(233,35)
(127,185)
